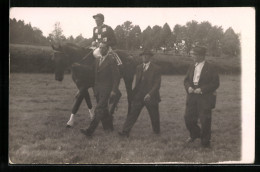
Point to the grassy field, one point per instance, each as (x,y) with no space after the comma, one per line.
(39,108)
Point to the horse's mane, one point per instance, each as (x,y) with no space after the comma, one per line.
(74,49)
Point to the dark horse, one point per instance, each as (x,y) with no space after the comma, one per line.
(81,62)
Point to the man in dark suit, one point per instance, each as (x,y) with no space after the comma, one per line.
(145,93)
(200,84)
(107,78)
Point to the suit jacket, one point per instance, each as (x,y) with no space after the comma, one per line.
(147,82)
(107,76)
(208,83)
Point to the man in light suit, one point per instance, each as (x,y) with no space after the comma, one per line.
(107,78)
(145,93)
(200,84)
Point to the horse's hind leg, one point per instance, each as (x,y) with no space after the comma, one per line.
(89,104)
(78,100)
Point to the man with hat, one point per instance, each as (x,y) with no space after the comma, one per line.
(145,93)
(201,83)
(107,78)
(103,33)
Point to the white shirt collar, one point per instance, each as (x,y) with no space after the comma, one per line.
(200,63)
(147,64)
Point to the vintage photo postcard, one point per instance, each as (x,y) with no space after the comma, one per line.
(131,85)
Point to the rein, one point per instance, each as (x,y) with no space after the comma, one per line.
(84,58)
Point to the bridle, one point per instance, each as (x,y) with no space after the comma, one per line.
(80,61)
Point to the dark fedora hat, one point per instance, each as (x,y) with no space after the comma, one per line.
(99,15)
(146,52)
(199,50)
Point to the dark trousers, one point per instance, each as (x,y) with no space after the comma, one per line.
(136,108)
(101,114)
(83,94)
(194,111)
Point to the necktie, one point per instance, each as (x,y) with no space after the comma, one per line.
(101,60)
(144,69)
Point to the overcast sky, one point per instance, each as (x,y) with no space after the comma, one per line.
(75,21)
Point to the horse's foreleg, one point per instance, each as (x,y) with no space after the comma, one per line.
(78,100)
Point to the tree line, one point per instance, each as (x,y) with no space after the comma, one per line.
(130,37)
(25,33)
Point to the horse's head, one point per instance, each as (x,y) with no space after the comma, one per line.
(65,55)
(61,62)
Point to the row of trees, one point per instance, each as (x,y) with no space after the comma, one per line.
(57,37)
(130,37)
(25,33)
(157,37)
(22,33)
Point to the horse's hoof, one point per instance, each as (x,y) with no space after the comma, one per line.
(71,121)
(68,126)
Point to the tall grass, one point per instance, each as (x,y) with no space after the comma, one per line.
(40,108)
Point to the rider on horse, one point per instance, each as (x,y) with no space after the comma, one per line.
(103,33)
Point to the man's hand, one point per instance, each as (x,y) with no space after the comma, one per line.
(197,91)
(147,98)
(190,90)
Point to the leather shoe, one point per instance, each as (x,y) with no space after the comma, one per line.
(205,145)
(123,134)
(85,132)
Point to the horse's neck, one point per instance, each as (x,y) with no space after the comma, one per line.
(83,58)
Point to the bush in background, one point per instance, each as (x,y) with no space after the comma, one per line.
(37,59)
(31,59)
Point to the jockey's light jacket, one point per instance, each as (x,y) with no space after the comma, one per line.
(104,34)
